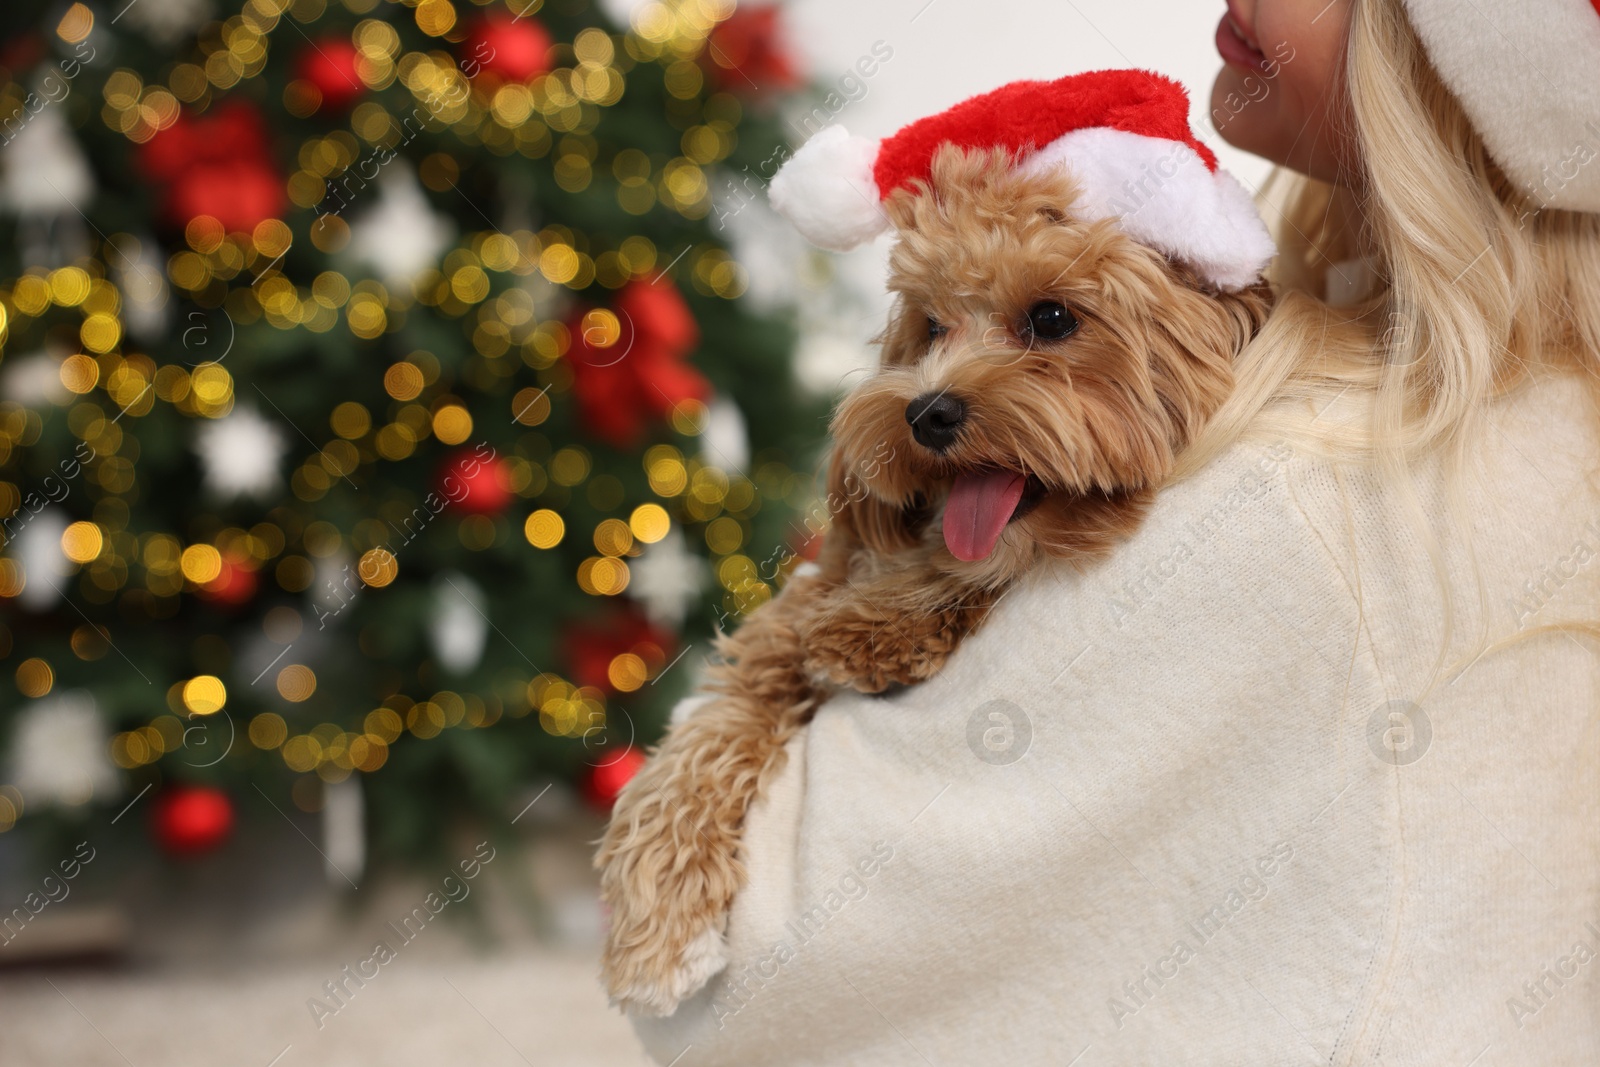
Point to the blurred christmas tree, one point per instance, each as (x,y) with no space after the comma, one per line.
(380,401)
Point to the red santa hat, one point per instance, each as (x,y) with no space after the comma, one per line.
(1123,135)
(1527,73)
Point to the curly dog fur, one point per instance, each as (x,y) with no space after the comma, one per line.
(1094,421)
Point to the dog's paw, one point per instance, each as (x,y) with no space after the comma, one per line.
(658,991)
(669,869)
(866,650)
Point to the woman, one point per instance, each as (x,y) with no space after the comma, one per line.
(1308,771)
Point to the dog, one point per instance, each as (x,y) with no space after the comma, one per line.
(1040,373)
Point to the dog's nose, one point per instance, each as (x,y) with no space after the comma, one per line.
(936,419)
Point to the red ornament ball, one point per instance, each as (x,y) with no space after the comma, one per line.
(192,819)
(750,55)
(475,483)
(607,777)
(235,584)
(589,647)
(507,49)
(332,66)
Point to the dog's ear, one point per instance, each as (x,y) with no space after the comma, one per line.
(859,517)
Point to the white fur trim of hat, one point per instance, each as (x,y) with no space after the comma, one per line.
(1527,73)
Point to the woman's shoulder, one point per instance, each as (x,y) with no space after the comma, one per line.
(1272,535)
(1222,557)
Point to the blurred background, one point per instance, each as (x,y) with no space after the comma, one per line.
(395,398)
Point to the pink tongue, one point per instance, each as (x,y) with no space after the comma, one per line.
(976,514)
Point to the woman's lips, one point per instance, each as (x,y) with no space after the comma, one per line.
(1234,48)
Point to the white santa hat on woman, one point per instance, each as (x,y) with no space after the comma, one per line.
(1527,73)
(1123,135)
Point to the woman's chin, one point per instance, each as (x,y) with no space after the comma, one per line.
(1230,110)
(1267,124)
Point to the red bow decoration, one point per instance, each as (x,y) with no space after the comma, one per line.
(625,376)
(218,165)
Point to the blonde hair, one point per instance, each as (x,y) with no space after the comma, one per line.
(1478,287)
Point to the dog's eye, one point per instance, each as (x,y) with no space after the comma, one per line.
(1050,320)
(936,329)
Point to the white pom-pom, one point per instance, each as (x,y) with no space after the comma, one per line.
(828,192)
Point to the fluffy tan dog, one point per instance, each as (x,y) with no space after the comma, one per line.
(1039,375)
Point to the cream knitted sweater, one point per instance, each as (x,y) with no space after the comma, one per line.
(1210,803)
